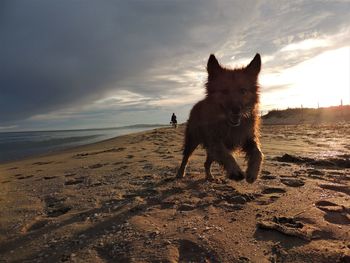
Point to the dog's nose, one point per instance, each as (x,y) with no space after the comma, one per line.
(235,110)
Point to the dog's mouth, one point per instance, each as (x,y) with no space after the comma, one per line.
(234,119)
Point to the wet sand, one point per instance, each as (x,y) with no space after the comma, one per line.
(119,201)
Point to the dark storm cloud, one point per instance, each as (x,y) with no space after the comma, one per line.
(56,53)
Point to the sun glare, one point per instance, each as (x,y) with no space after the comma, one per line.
(321,81)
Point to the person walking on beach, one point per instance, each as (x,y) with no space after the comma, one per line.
(173,120)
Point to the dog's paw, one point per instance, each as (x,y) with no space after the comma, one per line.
(236,175)
(251,178)
(180,174)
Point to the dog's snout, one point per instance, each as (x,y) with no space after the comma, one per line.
(236,110)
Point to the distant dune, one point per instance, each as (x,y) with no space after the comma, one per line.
(308,115)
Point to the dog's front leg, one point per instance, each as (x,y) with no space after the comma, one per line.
(224,157)
(207,165)
(255,158)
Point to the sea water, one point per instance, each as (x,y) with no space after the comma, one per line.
(18,145)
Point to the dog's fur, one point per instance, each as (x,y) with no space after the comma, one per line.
(227,120)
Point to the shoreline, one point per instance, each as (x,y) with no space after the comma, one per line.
(71,148)
(59,150)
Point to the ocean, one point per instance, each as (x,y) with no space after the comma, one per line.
(19,145)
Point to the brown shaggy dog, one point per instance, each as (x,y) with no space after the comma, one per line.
(227,120)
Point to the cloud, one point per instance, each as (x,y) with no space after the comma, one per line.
(8,127)
(58,54)
(306,45)
(73,58)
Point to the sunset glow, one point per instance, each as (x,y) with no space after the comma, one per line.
(323,80)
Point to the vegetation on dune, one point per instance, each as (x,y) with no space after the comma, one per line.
(300,115)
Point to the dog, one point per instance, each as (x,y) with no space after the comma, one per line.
(227,120)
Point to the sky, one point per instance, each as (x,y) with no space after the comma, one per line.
(91,64)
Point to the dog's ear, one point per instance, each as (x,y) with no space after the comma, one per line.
(213,66)
(254,66)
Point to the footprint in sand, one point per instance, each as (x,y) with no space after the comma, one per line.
(273,190)
(118,163)
(41,163)
(268,177)
(270,195)
(75,181)
(334,213)
(337,187)
(192,252)
(112,150)
(55,207)
(95,184)
(118,252)
(313,171)
(49,177)
(5,182)
(35,225)
(293,182)
(316,174)
(97,165)
(148,166)
(230,200)
(186,207)
(69,175)
(123,167)
(339,176)
(167,156)
(161,151)
(24,177)
(168,205)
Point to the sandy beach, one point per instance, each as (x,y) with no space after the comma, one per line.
(118,201)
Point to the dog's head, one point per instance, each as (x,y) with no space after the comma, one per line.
(235,90)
